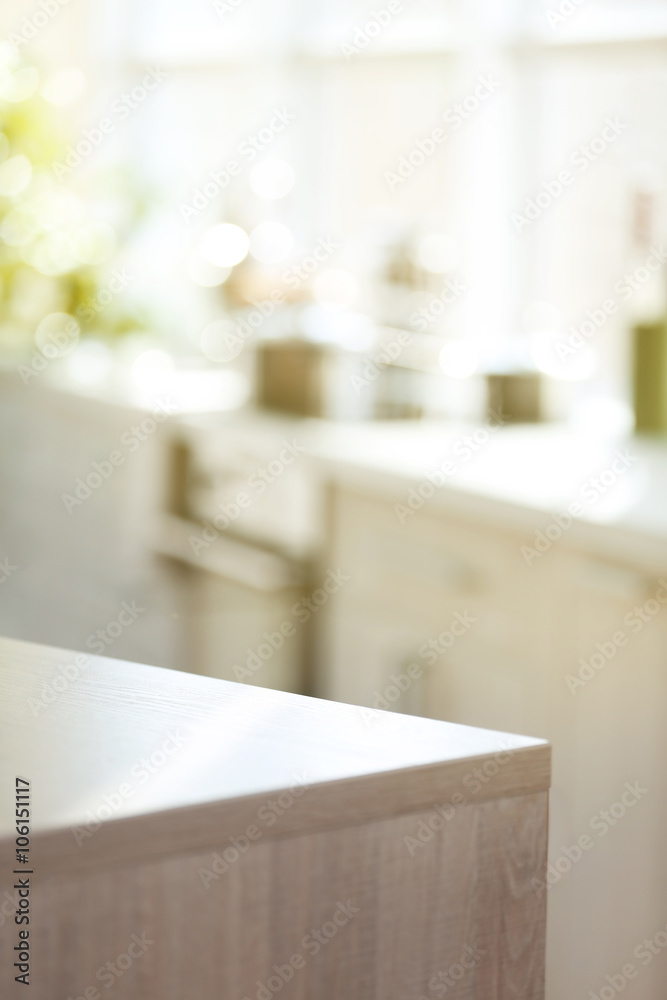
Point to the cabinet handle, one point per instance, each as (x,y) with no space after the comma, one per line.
(230,558)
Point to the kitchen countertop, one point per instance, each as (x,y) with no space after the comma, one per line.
(517,476)
(133,762)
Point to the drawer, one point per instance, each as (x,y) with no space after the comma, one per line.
(428,566)
(263,487)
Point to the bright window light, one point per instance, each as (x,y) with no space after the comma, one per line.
(225,245)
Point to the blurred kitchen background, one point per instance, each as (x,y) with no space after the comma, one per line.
(334,359)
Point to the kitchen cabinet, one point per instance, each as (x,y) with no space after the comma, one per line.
(269,844)
(439,613)
(240,521)
(450,595)
(533,626)
(240,634)
(76,563)
(609,734)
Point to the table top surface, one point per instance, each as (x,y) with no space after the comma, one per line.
(109,739)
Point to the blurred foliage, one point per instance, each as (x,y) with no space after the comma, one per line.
(57,246)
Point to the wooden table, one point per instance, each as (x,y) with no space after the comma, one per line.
(195,839)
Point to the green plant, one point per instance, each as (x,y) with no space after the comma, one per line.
(55,253)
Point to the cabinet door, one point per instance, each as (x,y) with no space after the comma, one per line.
(239,634)
(371,661)
(454,598)
(608,726)
(78,562)
(572,648)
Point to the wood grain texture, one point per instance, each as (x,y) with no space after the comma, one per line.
(463,898)
(240,745)
(400,865)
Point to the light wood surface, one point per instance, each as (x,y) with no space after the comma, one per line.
(468,889)
(360,824)
(240,745)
